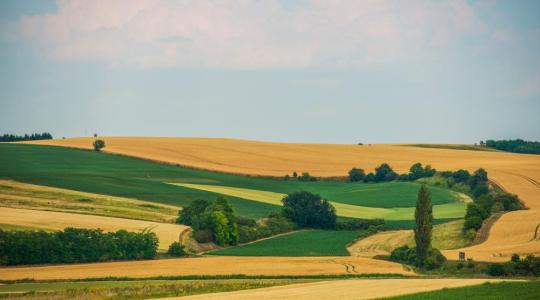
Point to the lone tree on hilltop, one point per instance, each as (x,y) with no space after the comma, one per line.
(98,145)
(423,216)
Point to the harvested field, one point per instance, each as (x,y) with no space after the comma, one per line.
(345,289)
(518,173)
(23,195)
(210,265)
(167,233)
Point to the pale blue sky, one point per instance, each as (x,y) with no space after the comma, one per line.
(312,71)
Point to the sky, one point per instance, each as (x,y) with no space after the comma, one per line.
(291,70)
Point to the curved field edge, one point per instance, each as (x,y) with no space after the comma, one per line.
(211,265)
(299,243)
(346,289)
(513,233)
(442,211)
(15,194)
(49,220)
(528,290)
(135,289)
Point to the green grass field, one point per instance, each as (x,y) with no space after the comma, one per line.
(441,211)
(134,178)
(489,291)
(300,243)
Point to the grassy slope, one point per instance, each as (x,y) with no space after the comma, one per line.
(128,177)
(503,290)
(22,195)
(139,289)
(301,243)
(447,210)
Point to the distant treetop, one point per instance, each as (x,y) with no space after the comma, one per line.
(516,146)
(26,137)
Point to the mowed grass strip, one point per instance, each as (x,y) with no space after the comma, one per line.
(300,243)
(441,211)
(529,290)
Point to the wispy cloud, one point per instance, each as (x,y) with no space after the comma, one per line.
(248,34)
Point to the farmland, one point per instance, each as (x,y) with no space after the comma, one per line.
(210,265)
(347,289)
(454,209)
(503,290)
(301,243)
(134,289)
(126,177)
(49,220)
(22,195)
(518,173)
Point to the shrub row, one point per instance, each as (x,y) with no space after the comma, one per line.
(26,137)
(249,230)
(74,245)
(407,255)
(528,266)
(517,146)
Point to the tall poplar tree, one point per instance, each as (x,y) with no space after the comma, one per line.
(423,216)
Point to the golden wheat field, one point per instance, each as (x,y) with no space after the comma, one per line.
(518,173)
(344,289)
(23,195)
(167,233)
(210,265)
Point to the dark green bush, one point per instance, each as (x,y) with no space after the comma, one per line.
(309,210)
(203,236)
(359,224)
(175,249)
(356,175)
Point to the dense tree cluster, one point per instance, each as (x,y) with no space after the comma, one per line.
(517,146)
(418,171)
(74,245)
(433,259)
(528,266)
(26,137)
(250,230)
(385,173)
(309,210)
(212,220)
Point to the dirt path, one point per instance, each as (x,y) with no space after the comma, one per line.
(344,289)
(209,265)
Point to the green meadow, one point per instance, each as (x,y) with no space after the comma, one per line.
(299,243)
(253,197)
(529,290)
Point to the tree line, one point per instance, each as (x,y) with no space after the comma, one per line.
(516,146)
(73,245)
(26,137)
(300,210)
(384,173)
